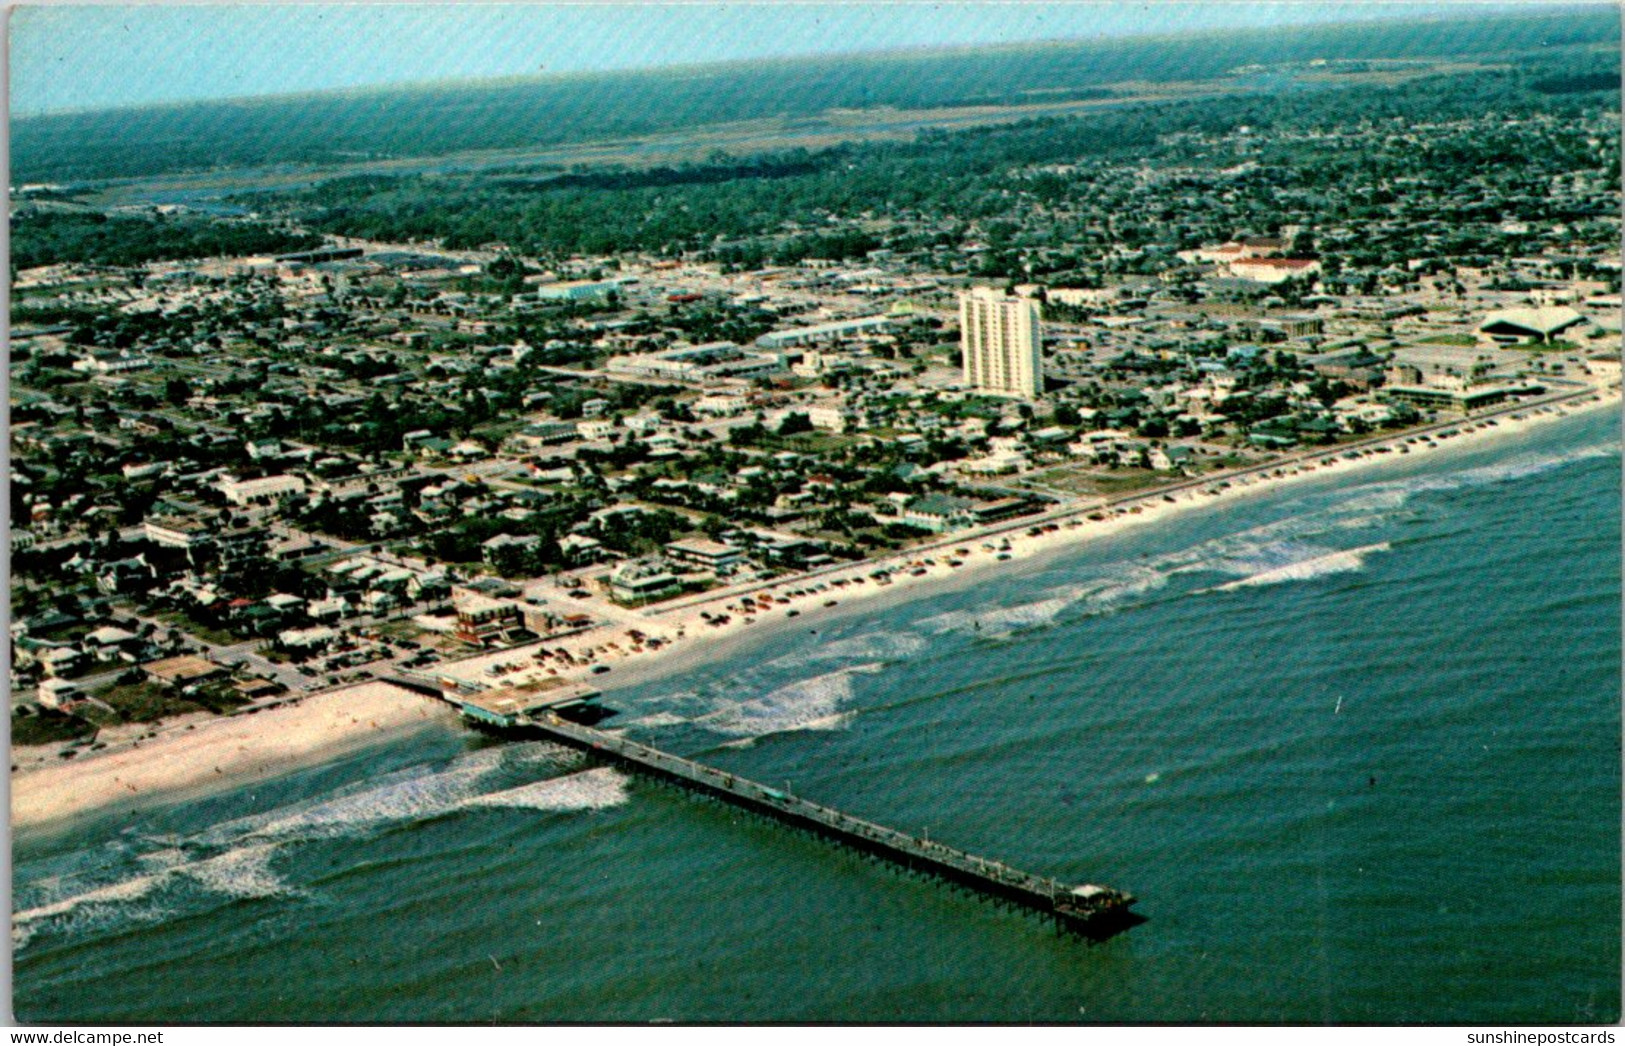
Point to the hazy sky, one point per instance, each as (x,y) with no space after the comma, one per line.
(73,57)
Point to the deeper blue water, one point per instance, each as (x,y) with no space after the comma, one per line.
(1355,744)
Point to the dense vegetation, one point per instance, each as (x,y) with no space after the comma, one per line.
(956,182)
(45,237)
(433,121)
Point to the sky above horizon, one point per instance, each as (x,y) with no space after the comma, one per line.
(67,56)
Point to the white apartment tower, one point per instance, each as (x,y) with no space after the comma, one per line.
(999,336)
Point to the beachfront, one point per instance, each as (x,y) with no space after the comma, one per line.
(681,631)
(195,754)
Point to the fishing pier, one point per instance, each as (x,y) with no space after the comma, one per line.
(1093,911)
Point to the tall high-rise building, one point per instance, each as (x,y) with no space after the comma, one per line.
(999,336)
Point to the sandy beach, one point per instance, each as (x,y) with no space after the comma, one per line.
(229,750)
(661,640)
(677,633)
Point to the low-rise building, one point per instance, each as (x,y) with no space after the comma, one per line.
(108,362)
(494,548)
(176,531)
(706,364)
(544,434)
(481,619)
(1165,459)
(821,333)
(1273,270)
(721,405)
(57,693)
(581,290)
(1463,398)
(184,671)
(939,513)
(706,553)
(307,639)
(260,491)
(1528,326)
(1356,366)
(643,581)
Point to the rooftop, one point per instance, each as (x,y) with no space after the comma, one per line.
(1545,322)
(180,669)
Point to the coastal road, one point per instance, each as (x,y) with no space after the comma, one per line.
(245,654)
(1122,503)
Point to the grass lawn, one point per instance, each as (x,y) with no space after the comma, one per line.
(1450,339)
(1068,479)
(273,655)
(400,629)
(177,619)
(1125,480)
(1090,481)
(91,668)
(146,702)
(217,697)
(810,442)
(48,726)
(498,430)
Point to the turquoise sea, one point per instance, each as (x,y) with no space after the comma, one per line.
(1354,743)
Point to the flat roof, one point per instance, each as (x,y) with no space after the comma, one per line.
(514,700)
(474,603)
(184,667)
(703,547)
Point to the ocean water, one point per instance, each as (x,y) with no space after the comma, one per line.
(1355,744)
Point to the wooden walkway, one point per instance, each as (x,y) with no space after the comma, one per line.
(1095,911)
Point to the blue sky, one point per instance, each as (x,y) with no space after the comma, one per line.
(77,57)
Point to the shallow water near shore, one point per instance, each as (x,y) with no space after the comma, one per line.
(1353,742)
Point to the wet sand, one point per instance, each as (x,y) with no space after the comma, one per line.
(228,750)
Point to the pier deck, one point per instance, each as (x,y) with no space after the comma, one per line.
(1095,911)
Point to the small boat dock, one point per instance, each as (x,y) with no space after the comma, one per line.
(1091,910)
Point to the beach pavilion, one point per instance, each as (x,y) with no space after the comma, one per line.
(1527,326)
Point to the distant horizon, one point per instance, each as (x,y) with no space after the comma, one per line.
(77,59)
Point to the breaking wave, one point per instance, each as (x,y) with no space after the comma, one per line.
(807,704)
(868,646)
(594,789)
(133,889)
(656,720)
(154,878)
(1397,493)
(1344,562)
(1103,594)
(243,872)
(997,621)
(409,799)
(537,753)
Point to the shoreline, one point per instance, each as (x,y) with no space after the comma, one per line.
(694,637)
(225,751)
(236,749)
